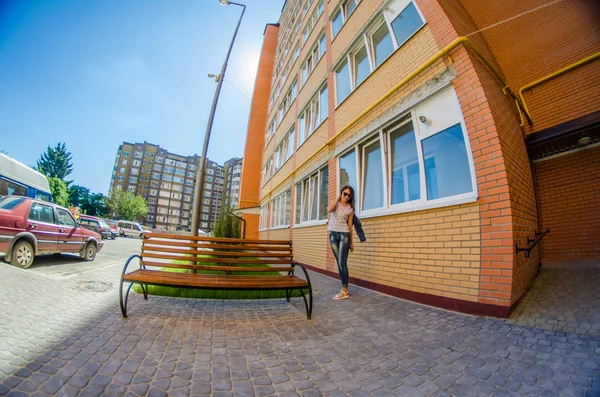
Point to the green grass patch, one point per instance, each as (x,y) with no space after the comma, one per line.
(216,294)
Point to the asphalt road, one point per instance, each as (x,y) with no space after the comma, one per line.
(114,253)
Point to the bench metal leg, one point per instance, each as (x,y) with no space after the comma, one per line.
(123,302)
(308,303)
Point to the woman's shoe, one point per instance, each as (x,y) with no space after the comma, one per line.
(341,296)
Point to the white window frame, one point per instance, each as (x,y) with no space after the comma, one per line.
(305,183)
(451,116)
(264,217)
(312,108)
(343,10)
(386,17)
(280,216)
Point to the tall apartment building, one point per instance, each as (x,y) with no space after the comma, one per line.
(233,177)
(467,128)
(166,181)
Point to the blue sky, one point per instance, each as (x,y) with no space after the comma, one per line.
(95,73)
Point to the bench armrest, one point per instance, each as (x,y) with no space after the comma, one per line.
(129,261)
(294,264)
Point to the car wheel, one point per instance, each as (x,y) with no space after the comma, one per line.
(22,255)
(89,253)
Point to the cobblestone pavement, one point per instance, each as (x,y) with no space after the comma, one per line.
(56,339)
(562,300)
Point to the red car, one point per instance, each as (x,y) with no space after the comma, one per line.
(30,227)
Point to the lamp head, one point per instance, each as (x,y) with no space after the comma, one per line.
(224,2)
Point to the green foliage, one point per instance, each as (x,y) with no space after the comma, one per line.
(58,188)
(93,204)
(124,205)
(96,205)
(56,162)
(78,195)
(227,224)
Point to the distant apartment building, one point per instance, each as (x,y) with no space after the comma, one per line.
(233,177)
(467,129)
(166,181)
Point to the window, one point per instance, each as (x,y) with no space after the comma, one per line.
(313,58)
(425,166)
(342,15)
(123,162)
(126,154)
(400,20)
(284,150)
(264,216)
(342,82)
(267,170)
(311,197)
(41,213)
(120,178)
(136,163)
(65,218)
(209,178)
(122,170)
(312,21)
(313,115)
(281,207)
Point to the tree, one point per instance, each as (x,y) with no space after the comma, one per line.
(58,188)
(78,195)
(96,205)
(124,205)
(227,225)
(56,162)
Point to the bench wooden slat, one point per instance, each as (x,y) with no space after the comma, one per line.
(215,260)
(146,249)
(220,268)
(198,244)
(217,239)
(189,258)
(214,281)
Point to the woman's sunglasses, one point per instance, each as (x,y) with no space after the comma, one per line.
(346,194)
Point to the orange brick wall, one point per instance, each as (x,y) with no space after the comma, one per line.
(311,245)
(541,42)
(568,192)
(255,138)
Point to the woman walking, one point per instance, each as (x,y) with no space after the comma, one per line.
(341,213)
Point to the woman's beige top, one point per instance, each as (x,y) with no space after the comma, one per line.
(338,219)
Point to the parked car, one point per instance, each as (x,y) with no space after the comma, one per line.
(97,225)
(30,227)
(114,227)
(131,229)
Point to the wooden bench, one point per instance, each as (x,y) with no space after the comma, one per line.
(224,258)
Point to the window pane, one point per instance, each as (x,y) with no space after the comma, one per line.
(407,23)
(342,82)
(305,198)
(323,191)
(298,202)
(406,185)
(322,46)
(350,6)
(362,68)
(302,128)
(323,103)
(288,206)
(313,197)
(291,144)
(348,169)
(336,23)
(382,44)
(447,170)
(373,174)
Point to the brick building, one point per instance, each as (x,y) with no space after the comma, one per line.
(232,169)
(166,181)
(466,128)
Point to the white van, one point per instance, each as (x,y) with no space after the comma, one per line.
(131,229)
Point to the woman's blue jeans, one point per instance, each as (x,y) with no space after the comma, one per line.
(340,245)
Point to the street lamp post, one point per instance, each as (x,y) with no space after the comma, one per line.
(219,78)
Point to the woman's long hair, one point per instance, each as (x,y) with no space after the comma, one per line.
(351,201)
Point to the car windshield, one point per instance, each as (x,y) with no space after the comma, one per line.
(104,225)
(10,202)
